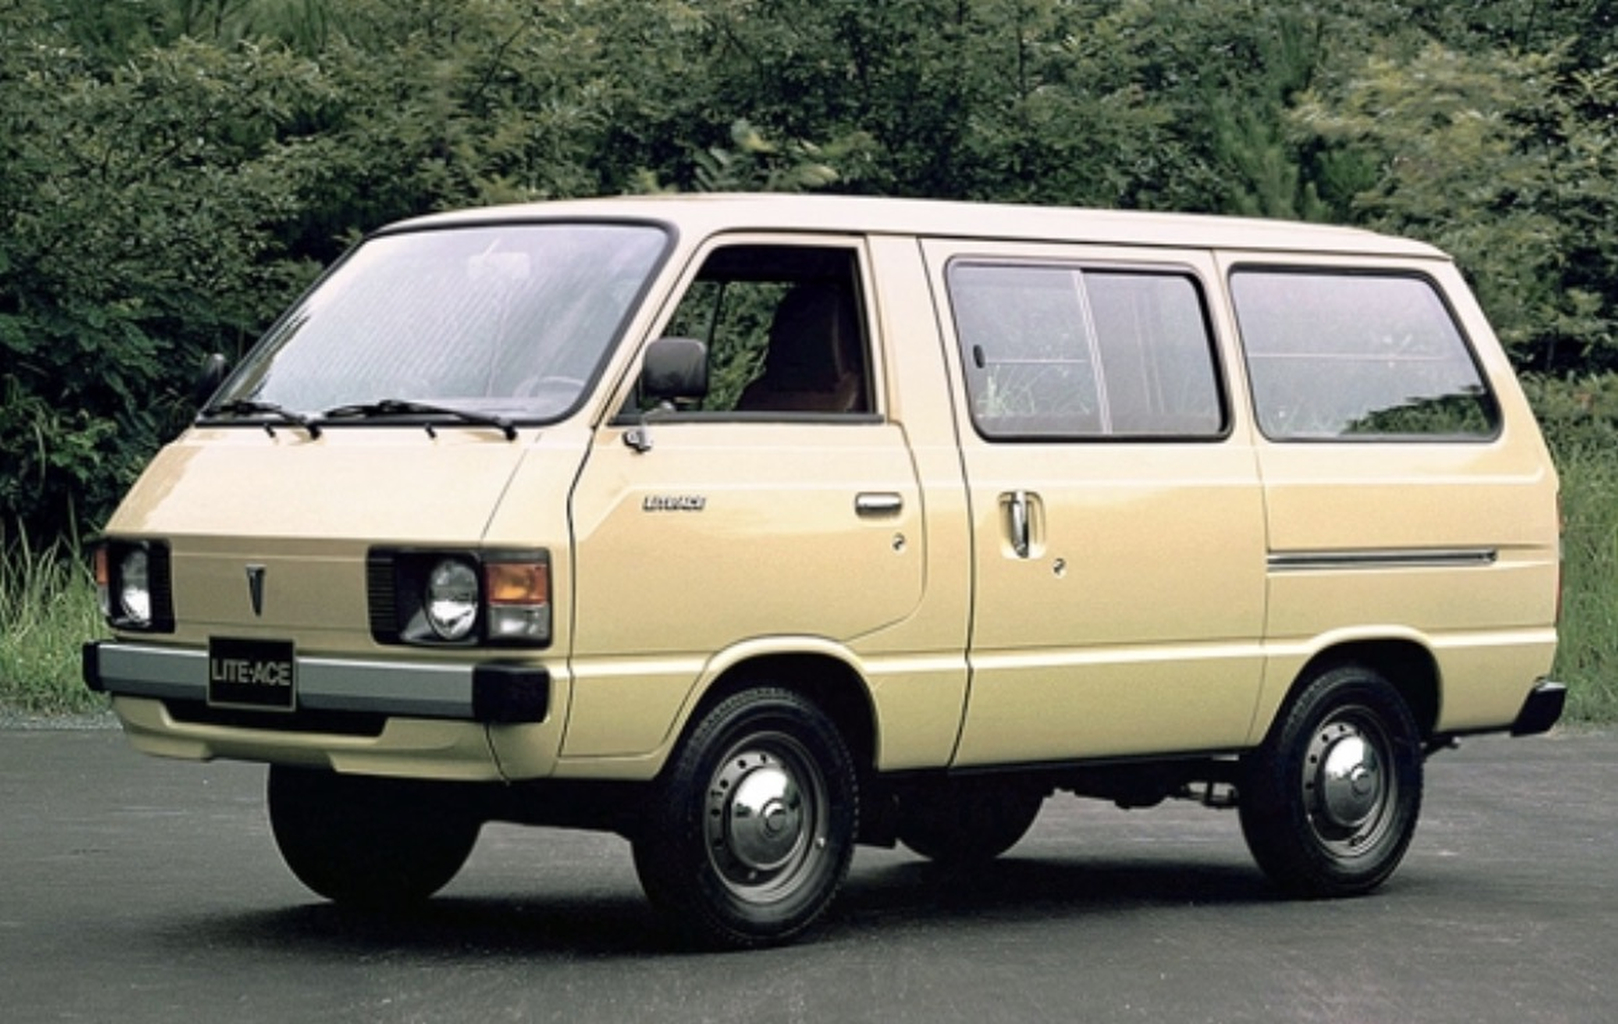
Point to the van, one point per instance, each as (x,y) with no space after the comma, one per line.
(753,528)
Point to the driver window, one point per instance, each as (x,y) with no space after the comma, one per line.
(784,328)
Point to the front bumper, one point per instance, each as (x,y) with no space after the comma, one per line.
(492,693)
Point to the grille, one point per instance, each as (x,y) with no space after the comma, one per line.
(382,598)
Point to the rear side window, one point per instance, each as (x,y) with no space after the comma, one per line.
(1354,355)
(1055,351)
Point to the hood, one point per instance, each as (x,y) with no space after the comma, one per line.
(390,485)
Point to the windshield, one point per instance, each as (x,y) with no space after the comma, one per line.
(508,320)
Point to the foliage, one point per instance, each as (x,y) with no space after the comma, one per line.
(1491,157)
(136,211)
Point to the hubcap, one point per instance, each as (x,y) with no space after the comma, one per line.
(1350,781)
(766,817)
(1346,785)
(762,816)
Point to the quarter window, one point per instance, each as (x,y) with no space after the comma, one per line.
(1338,355)
(1067,352)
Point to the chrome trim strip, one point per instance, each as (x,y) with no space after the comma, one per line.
(164,673)
(328,684)
(426,690)
(1406,558)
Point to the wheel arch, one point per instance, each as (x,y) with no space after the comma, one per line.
(829,682)
(1407,664)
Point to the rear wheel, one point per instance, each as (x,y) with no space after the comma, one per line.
(960,822)
(368,842)
(1329,803)
(750,831)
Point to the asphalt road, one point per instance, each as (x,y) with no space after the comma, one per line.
(140,890)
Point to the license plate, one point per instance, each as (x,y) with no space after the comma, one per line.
(258,674)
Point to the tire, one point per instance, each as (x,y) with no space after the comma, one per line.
(749,832)
(963,822)
(368,842)
(1329,803)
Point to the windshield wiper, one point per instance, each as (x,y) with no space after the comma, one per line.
(253,407)
(401,407)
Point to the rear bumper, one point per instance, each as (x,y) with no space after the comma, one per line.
(491,693)
(1541,710)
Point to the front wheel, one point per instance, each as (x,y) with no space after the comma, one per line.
(368,842)
(750,831)
(1329,803)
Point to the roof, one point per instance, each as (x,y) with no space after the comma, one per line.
(704,213)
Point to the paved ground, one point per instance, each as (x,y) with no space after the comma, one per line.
(140,890)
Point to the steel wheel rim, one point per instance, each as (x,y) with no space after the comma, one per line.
(765,818)
(1350,790)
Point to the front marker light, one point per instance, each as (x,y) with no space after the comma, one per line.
(451,600)
(519,596)
(101,563)
(135,587)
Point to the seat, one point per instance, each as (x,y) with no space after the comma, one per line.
(814,361)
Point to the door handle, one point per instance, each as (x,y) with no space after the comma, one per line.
(878,503)
(1018,507)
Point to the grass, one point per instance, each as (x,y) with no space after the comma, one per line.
(47,611)
(48,605)
(1587,658)
(1580,420)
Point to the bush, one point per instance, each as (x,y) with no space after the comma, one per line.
(138,207)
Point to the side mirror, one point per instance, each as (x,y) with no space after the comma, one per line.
(213,373)
(676,369)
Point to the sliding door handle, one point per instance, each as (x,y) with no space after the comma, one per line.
(1018,507)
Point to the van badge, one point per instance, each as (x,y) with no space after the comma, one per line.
(255,588)
(673,503)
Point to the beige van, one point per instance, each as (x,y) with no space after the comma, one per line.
(755,527)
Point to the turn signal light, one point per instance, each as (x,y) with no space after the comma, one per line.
(518,596)
(517,582)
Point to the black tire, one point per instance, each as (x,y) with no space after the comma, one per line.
(962,822)
(368,842)
(750,830)
(1329,803)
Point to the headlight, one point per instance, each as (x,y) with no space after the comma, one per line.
(451,602)
(135,588)
(134,584)
(499,597)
